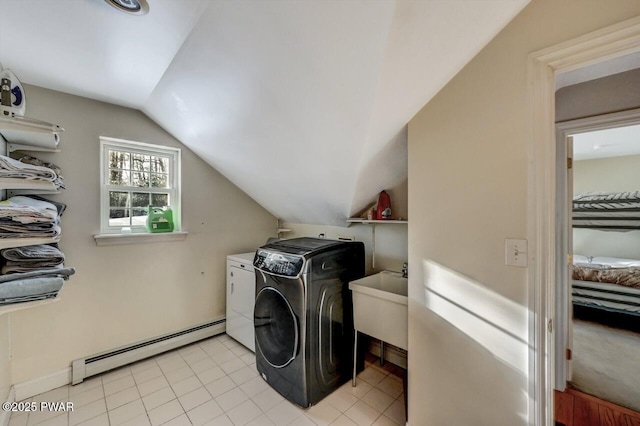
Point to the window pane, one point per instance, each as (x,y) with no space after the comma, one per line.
(140,180)
(118,160)
(134,177)
(158,180)
(140,199)
(138,217)
(119,217)
(118,178)
(118,199)
(159,200)
(140,163)
(159,164)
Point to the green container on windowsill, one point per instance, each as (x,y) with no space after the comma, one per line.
(160,219)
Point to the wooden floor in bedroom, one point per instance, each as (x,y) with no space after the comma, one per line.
(574,408)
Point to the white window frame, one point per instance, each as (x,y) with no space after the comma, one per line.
(174,190)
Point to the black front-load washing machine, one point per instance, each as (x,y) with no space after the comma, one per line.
(303,315)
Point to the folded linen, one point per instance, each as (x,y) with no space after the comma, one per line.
(28,210)
(17,291)
(33,298)
(63,273)
(60,206)
(11,168)
(10,229)
(16,268)
(58,181)
(29,258)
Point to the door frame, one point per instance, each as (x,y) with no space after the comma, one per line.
(562,294)
(607,43)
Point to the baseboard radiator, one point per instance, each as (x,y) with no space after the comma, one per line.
(105,361)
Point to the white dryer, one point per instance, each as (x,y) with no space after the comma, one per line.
(241,295)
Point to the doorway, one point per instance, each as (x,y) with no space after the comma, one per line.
(610,42)
(601,234)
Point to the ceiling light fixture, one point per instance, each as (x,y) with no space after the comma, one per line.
(135,7)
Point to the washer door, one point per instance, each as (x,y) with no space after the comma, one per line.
(276,327)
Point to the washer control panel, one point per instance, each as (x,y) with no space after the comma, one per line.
(278,263)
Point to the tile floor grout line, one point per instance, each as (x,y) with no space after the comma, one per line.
(347,403)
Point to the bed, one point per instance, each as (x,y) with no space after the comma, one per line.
(607,283)
(610,211)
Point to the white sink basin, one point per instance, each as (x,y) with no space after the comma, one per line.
(380,307)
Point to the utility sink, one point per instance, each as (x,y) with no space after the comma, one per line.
(380,307)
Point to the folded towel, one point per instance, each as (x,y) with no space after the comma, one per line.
(16,268)
(17,291)
(10,229)
(63,273)
(32,298)
(10,168)
(28,159)
(58,181)
(28,210)
(60,206)
(29,258)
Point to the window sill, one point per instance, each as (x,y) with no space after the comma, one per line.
(122,239)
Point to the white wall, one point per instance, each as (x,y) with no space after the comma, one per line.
(5,333)
(5,359)
(468,335)
(123,294)
(613,93)
(391,241)
(613,174)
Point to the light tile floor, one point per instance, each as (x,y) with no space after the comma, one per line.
(214,382)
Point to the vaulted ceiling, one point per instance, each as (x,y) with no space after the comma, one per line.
(303,104)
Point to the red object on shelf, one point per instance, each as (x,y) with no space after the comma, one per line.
(383,211)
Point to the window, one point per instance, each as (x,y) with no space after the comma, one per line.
(135,175)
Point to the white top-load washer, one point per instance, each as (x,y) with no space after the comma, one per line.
(241,295)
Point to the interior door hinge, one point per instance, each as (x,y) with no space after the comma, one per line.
(569,163)
(570,259)
(550,326)
(568,354)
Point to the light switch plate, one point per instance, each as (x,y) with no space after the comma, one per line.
(515,252)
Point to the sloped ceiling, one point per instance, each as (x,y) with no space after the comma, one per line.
(302,104)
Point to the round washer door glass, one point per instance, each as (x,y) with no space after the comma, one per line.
(276,327)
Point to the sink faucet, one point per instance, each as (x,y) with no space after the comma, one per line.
(405,270)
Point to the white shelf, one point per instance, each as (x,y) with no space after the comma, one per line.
(20,183)
(11,147)
(27,134)
(5,309)
(30,134)
(358,221)
(14,192)
(22,242)
(27,124)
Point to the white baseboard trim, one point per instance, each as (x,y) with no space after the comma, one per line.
(5,416)
(43,384)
